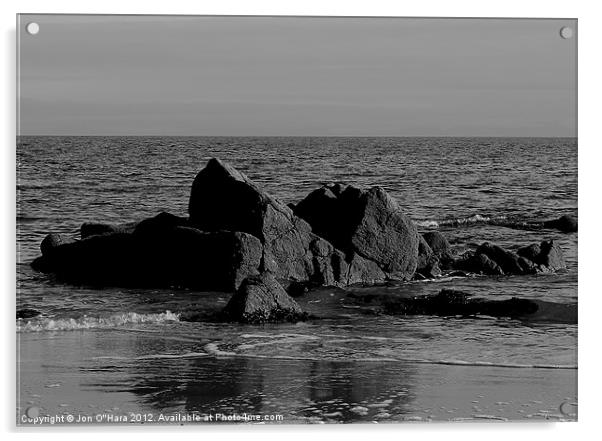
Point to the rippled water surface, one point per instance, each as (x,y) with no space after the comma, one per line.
(126,339)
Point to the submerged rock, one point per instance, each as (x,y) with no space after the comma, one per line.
(262,299)
(457,303)
(26,313)
(566,224)
(369,223)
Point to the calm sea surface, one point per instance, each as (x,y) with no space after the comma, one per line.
(348,359)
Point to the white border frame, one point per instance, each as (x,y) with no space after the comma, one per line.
(589,183)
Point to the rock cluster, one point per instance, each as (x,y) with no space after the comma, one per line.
(494,260)
(237,238)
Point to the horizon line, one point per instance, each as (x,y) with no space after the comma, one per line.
(296,136)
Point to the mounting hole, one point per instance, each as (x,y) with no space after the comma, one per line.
(32,28)
(566,32)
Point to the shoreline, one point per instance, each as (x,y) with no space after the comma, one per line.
(65,374)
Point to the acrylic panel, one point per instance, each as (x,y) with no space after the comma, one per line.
(286,220)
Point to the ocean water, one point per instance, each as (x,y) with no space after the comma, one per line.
(127,348)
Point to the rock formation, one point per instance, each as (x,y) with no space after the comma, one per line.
(240,239)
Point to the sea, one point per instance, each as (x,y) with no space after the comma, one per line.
(112,353)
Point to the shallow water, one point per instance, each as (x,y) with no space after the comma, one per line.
(65,181)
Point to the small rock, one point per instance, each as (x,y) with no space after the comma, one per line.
(428,262)
(439,244)
(262,299)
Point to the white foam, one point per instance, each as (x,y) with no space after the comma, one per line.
(117,320)
(213,349)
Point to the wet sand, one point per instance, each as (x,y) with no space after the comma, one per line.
(130,377)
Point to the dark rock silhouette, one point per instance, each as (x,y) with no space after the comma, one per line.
(175,256)
(457,303)
(224,199)
(566,224)
(26,313)
(262,299)
(367,222)
(235,230)
(160,223)
(239,238)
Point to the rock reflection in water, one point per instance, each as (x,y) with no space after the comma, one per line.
(296,389)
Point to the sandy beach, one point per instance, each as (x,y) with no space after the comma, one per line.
(156,379)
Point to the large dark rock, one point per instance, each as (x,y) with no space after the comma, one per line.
(204,260)
(367,222)
(223,198)
(262,299)
(98,259)
(566,224)
(173,256)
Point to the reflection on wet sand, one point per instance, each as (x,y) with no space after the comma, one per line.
(117,372)
(298,389)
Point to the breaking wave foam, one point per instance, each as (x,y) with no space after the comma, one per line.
(470,220)
(71,324)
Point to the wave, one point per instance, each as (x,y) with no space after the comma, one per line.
(478,219)
(460,221)
(214,349)
(71,324)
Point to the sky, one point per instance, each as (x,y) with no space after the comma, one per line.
(296,76)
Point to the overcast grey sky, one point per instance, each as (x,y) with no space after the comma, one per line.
(260,76)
